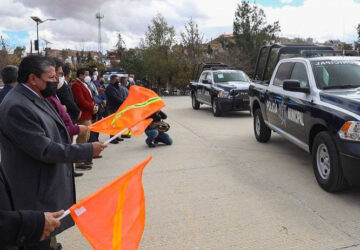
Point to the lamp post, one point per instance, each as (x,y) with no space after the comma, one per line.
(39,21)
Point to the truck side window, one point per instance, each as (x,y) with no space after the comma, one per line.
(203,76)
(299,73)
(209,77)
(283,72)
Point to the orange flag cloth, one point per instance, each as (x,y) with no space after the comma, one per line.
(139,105)
(139,128)
(114,216)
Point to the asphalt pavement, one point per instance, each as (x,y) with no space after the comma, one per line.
(216,187)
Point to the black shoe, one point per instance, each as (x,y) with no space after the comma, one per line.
(97,157)
(114,141)
(126,136)
(119,139)
(83,167)
(76,174)
(151,145)
(58,246)
(156,141)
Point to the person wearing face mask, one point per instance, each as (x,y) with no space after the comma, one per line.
(84,99)
(37,155)
(115,96)
(131,81)
(55,102)
(65,95)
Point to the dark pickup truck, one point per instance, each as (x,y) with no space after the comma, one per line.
(223,88)
(313,100)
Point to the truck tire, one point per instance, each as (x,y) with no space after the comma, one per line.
(262,132)
(194,102)
(326,163)
(215,108)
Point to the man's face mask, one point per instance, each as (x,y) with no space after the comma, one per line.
(87,79)
(50,89)
(61,81)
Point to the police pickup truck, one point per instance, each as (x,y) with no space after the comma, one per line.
(313,102)
(223,88)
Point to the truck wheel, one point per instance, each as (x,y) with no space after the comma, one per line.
(262,132)
(326,163)
(194,102)
(215,107)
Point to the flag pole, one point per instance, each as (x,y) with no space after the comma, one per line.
(115,136)
(66,213)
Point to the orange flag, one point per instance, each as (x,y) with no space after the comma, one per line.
(114,216)
(139,128)
(139,105)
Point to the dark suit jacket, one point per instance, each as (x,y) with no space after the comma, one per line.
(115,96)
(37,154)
(66,98)
(17,227)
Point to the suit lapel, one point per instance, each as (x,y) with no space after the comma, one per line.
(42,104)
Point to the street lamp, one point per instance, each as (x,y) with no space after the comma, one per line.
(38,21)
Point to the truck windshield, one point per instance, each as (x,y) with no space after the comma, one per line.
(235,76)
(337,74)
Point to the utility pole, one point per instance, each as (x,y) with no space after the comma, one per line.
(39,21)
(99,16)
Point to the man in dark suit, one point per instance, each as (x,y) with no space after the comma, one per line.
(36,152)
(22,228)
(9,77)
(66,97)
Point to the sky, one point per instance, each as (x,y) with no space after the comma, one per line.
(76,27)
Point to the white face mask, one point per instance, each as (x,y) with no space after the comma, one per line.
(87,79)
(96,73)
(131,79)
(61,81)
(95,77)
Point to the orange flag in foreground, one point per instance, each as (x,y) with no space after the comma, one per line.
(114,216)
(139,105)
(139,128)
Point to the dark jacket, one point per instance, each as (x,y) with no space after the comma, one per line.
(115,96)
(158,116)
(17,228)
(37,154)
(66,98)
(4,92)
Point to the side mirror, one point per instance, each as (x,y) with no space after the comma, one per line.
(294,86)
(205,81)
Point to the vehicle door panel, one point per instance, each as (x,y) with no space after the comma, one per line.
(208,88)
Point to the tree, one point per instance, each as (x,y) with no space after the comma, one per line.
(157,44)
(120,44)
(251,30)
(192,40)
(64,54)
(133,62)
(159,34)
(89,57)
(19,51)
(358,31)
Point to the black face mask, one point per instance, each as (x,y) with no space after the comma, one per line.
(50,89)
(117,83)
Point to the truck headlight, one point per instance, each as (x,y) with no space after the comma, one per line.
(223,94)
(350,131)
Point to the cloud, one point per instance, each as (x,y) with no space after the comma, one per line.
(76,25)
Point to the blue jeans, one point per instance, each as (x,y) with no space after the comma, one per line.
(154,134)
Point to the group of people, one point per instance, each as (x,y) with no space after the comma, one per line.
(42,111)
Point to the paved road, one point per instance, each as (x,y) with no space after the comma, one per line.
(217,188)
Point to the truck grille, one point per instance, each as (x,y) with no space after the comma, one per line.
(239,93)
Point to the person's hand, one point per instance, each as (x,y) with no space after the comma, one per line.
(51,222)
(65,108)
(98,147)
(83,129)
(104,103)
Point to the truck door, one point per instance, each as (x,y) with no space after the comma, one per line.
(207,88)
(296,103)
(275,103)
(200,87)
